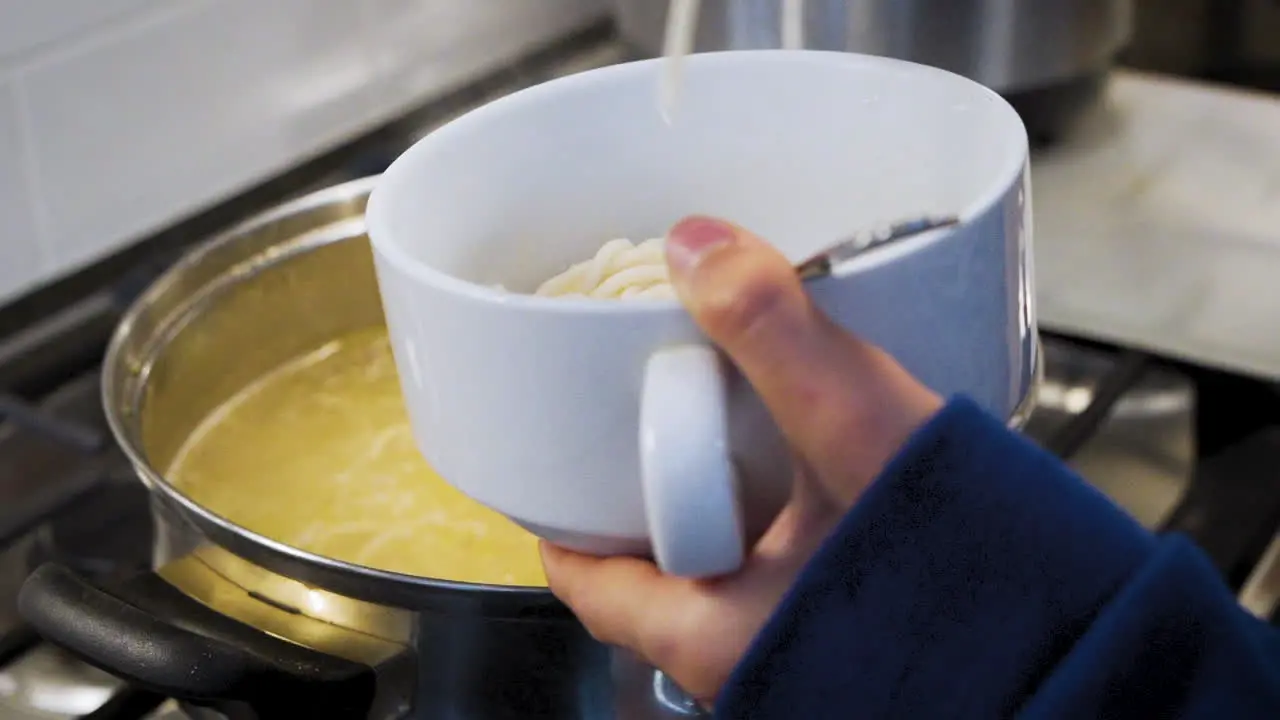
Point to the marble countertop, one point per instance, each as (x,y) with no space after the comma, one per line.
(1157,224)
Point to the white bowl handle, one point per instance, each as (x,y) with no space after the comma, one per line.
(692,494)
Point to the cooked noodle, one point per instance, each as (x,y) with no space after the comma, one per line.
(681,34)
(618,271)
(792,24)
(682,26)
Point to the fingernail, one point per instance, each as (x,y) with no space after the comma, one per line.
(693,238)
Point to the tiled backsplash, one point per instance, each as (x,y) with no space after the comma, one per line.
(119,116)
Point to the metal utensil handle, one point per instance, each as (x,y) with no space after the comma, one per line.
(824,263)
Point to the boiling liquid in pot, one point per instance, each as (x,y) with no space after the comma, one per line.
(318,454)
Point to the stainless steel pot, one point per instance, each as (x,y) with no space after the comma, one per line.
(250,627)
(1047,56)
(1232,41)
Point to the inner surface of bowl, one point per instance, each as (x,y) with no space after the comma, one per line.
(801,147)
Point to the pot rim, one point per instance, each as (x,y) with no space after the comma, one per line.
(122,402)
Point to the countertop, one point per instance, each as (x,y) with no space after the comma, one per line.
(1157,224)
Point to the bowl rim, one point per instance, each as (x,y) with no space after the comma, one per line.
(385,244)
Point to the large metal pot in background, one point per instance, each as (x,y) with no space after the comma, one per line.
(1050,58)
(1232,41)
(257,629)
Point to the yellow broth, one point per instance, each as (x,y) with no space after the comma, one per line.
(318,454)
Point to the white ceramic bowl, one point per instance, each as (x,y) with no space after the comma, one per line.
(533,405)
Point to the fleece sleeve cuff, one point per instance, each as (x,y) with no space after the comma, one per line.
(975,559)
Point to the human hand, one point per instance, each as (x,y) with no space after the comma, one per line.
(844,406)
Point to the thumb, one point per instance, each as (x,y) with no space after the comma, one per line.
(845,405)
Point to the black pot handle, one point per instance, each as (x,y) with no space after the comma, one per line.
(150,633)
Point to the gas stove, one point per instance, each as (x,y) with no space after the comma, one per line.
(1181,446)
(1141,429)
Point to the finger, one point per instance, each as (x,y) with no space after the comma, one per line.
(612,597)
(695,631)
(844,404)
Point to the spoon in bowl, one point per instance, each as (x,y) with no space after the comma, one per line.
(825,262)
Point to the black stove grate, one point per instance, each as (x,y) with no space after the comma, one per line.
(1127,372)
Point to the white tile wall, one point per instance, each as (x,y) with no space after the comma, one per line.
(27,25)
(425,47)
(118,117)
(20,252)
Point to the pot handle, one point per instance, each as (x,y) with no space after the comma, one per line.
(150,633)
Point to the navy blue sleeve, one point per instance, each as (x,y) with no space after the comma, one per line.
(979,577)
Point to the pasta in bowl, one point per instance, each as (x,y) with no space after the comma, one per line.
(619,270)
